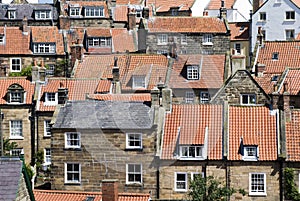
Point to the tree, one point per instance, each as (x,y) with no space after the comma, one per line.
(209,189)
(7,146)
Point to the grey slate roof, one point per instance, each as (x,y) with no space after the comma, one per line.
(10,173)
(92,114)
(25,10)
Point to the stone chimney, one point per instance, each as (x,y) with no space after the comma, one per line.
(259,69)
(167,99)
(62,94)
(286,102)
(131,19)
(42,74)
(25,28)
(155,96)
(116,70)
(76,52)
(110,190)
(275,97)
(35,72)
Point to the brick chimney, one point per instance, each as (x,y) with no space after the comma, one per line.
(76,52)
(131,18)
(116,70)
(259,69)
(110,190)
(275,97)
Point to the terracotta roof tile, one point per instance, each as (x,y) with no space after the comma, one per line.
(266,82)
(257,127)
(211,75)
(120,13)
(123,40)
(77,89)
(216,4)
(132,2)
(137,97)
(55,195)
(187,25)
(293,137)
(292,80)
(16,43)
(193,121)
(288,55)
(5,82)
(98,32)
(166,5)
(239,31)
(48,34)
(297,3)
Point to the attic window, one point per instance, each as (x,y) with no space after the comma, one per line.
(174,11)
(250,153)
(42,14)
(75,11)
(15,94)
(94,12)
(138,81)
(11,14)
(275,56)
(191,151)
(275,78)
(192,72)
(90,198)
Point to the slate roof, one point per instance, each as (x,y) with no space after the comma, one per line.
(5,82)
(104,115)
(137,97)
(257,127)
(26,10)
(48,34)
(239,31)
(10,174)
(77,89)
(293,137)
(288,55)
(53,195)
(193,120)
(211,71)
(187,25)
(16,43)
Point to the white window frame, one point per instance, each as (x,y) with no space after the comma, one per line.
(94,12)
(255,185)
(138,81)
(16,129)
(196,173)
(249,102)
(289,34)
(15,67)
(49,100)
(71,142)
(99,42)
(134,138)
(74,11)
(290,15)
(2,39)
(47,156)
(254,153)
(237,48)
(207,39)
(192,72)
(73,172)
(42,14)
(47,127)
(189,97)
(44,48)
(12,14)
(135,173)
(183,39)
(186,152)
(13,152)
(204,97)
(16,97)
(162,39)
(262,16)
(176,182)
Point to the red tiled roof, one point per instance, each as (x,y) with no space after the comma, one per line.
(120,13)
(288,55)
(55,195)
(132,2)
(239,31)
(48,34)
(211,75)
(77,89)
(123,40)
(266,83)
(187,25)
(216,4)
(193,121)
(257,127)
(98,32)
(293,137)
(166,5)
(297,3)
(137,97)
(292,80)
(5,82)
(16,43)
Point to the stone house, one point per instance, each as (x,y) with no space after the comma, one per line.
(16,109)
(184,35)
(196,78)
(241,89)
(116,140)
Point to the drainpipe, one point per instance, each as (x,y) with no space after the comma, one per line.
(1,137)
(32,131)
(27,179)
(157,183)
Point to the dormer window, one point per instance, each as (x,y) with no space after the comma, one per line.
(15,94)
(138,81)
(11,14)
(193,72)
(174,11)
(42,14)
(51,98)
(74,11)
(275,56)
(190,152)
(42,48)
(250,153)
(94,12)
(99,42)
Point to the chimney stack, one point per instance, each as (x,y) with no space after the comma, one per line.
(223,10)
(131,18)
(110,190)
(286,102)
(25,28)
(155,97)
(76,52)
(116,70)
(167,99)
(259,69)
(145,13)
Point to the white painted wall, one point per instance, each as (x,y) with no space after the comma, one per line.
(275,24)
(243,8)
(198,7)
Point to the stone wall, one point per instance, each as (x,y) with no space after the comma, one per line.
(22,194)
(42,140)
(104,156)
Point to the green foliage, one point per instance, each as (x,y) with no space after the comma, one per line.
(290,189)
(210,189)
(24,72)
(7,146)
(29,171)
(39,159)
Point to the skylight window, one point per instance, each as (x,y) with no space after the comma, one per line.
(275,55)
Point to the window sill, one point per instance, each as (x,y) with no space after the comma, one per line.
(291,20)
(72,149)
(72,183)
(47,136)
(208,44)
(162,43)
(134,184)
(16,138)
(258,194)
(181,190)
